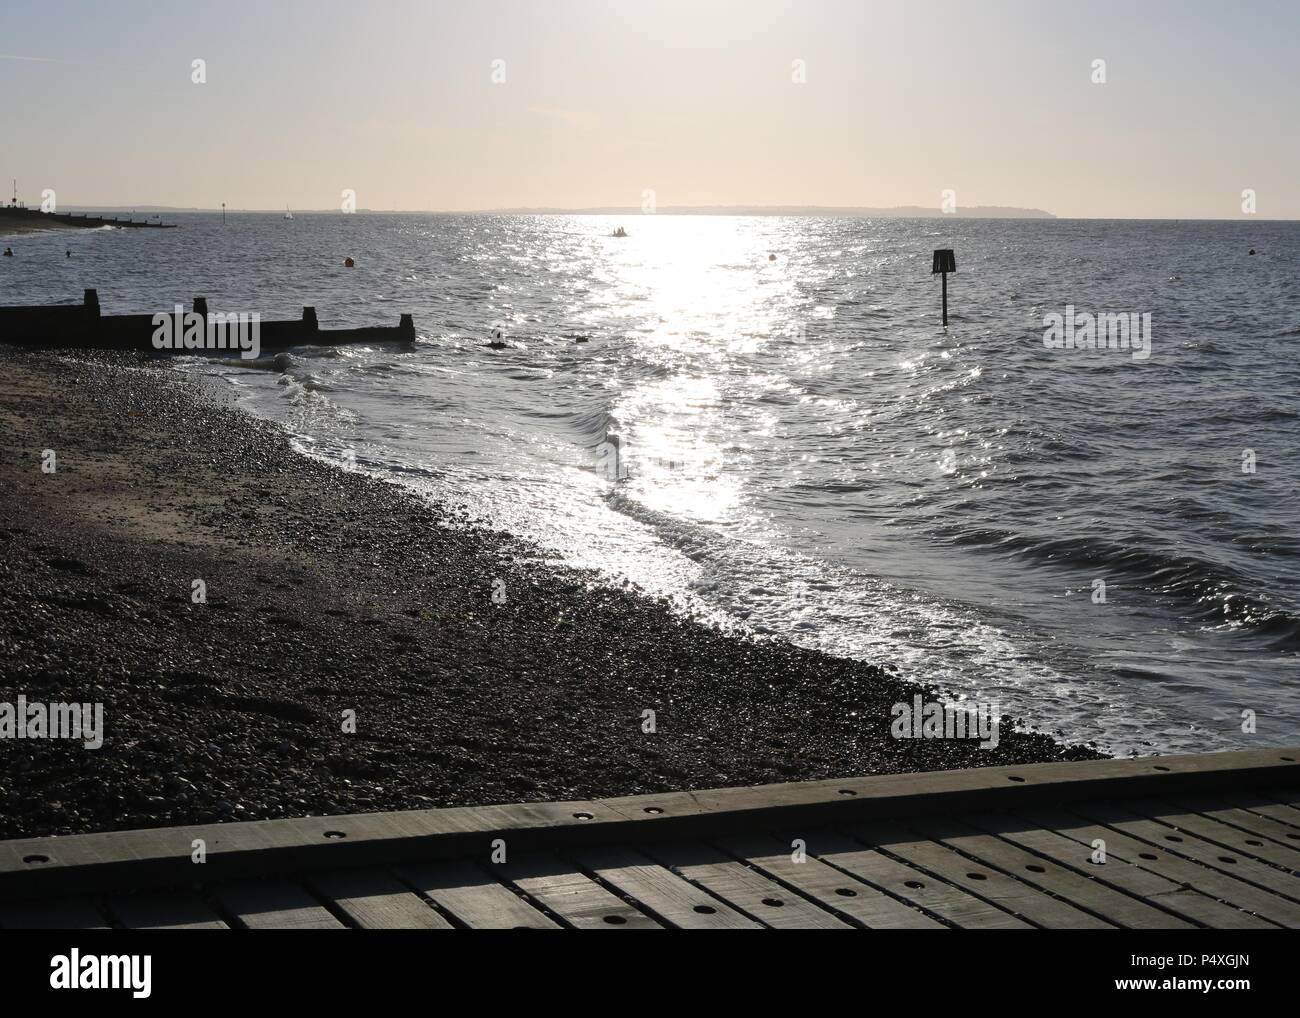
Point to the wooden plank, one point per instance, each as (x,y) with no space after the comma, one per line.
(375,900)
(572,895)
(169,910)
(474,898)
(1212,829)
(745,889)
(274,905)
(1235,810)
(1288,815)
(1151,857)
(832,888)
(912,885)
(709,813)
(160,858)
(1015,896)
(661,892)
(1121,874)
(1115,906)
(1285,796)
(1191,846)
(52,914)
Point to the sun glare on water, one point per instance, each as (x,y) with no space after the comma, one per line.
(705,298)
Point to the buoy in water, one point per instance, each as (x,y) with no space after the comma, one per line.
(1252,250)
(348,263)
(771,258)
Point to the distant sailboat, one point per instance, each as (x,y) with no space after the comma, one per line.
(287,213)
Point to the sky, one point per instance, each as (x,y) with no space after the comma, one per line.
(478,104)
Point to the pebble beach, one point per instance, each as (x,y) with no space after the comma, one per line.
(349,655)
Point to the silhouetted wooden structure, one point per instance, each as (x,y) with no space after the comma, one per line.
(21,215)
(82,326)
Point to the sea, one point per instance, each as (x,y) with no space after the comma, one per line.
(764,421)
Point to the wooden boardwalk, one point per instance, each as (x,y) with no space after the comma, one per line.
(1210,841)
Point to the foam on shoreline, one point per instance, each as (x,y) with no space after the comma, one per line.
(329,592)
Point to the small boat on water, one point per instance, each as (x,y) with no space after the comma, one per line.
(620,232)
(287,213)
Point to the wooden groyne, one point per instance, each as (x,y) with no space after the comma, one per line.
(20,215)
(83,326)
(1182,842)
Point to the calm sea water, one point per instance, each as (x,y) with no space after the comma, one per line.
(807,453)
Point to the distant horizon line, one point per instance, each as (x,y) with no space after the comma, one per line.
(911,211)
(827,211)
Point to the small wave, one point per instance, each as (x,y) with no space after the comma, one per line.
(1213,590)
(594,426)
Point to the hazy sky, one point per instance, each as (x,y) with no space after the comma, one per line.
(693,99)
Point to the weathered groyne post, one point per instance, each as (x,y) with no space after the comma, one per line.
(84,326)
(944,262)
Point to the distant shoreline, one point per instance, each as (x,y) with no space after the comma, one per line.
(810,211)
(830,212)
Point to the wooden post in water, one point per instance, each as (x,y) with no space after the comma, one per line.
(944,262)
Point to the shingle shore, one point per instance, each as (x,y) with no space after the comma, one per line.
(329,592)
